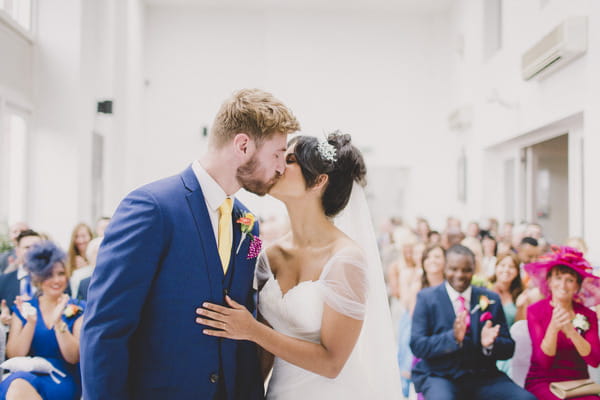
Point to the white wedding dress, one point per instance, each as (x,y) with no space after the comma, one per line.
(343,286)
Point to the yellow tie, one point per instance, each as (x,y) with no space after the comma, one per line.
(225,232)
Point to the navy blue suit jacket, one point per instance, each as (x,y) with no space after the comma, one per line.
(10,287)
(158,262)
(432,337)
(82,290)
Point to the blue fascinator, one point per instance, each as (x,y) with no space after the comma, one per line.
(40,259)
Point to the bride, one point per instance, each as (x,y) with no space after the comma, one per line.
(322,301)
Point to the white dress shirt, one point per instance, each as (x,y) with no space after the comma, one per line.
(214,196)
(453,294)
(21,274)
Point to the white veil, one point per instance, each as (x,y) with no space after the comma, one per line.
(376,347)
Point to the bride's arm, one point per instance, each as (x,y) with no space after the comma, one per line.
(339,334)
(266,358)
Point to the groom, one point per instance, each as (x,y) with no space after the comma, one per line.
(173,245)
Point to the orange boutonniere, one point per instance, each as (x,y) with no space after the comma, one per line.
(484,303)
(246,222)
(72,310)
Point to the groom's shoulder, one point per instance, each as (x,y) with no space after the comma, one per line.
(163,185)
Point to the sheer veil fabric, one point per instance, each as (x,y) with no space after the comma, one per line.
(376,347)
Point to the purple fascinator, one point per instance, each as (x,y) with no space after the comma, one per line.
(40,259)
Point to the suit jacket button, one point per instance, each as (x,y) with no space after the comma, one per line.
(214,378)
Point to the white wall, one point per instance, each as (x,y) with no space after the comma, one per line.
(520,111)
(381,76)
(76,65)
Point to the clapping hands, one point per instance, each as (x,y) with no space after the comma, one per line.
(460,326)
(489,333)
(59,309)
(562,321)
(5,316)
(27,310)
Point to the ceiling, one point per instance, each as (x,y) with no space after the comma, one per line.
(412,6)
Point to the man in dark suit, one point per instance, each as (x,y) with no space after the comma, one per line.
(459,331)
(82,291)
(17,282)
(173,245)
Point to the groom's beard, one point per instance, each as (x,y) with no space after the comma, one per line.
(247,176)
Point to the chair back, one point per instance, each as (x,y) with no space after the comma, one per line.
(522,358)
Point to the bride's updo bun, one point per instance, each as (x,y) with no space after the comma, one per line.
(339,159)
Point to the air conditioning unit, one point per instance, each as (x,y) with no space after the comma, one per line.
(559,47)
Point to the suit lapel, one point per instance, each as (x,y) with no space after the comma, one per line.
(475,328)
(446,305)
(236,229)
(197,205)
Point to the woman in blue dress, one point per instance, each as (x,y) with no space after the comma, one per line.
(46,326)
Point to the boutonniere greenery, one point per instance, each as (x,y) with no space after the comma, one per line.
(72,310)
(581,323)
(484,303)
(246,221)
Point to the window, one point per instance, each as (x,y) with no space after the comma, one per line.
(492,27)
(18,11)
(13,153)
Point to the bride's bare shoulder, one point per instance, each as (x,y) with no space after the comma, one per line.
(346,246)
(277,252)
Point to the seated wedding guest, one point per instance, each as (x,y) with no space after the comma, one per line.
(433,261)
(79,274)
(101,225)
(18,282)
(507,283)
(80,237)
(505,237)
(8,257)
(474,245)
(434,238)
(47,326)
(422,230)
(528,250)
(563,330)
(473,230)
(490,248)
(459,332)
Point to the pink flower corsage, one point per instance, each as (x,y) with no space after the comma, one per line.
(246,222)
(485,316)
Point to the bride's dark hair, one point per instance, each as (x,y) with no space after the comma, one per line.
(344,168)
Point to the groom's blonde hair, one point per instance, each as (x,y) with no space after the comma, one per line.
(254,112)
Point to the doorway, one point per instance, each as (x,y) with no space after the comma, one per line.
(549,194)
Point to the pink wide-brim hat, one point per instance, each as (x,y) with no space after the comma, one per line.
(589,293)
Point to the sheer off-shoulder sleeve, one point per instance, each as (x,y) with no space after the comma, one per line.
(263,271)
(345,285)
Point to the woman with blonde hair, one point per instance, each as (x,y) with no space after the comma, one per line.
(80,238)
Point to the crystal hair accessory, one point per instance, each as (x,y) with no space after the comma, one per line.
(326,150)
